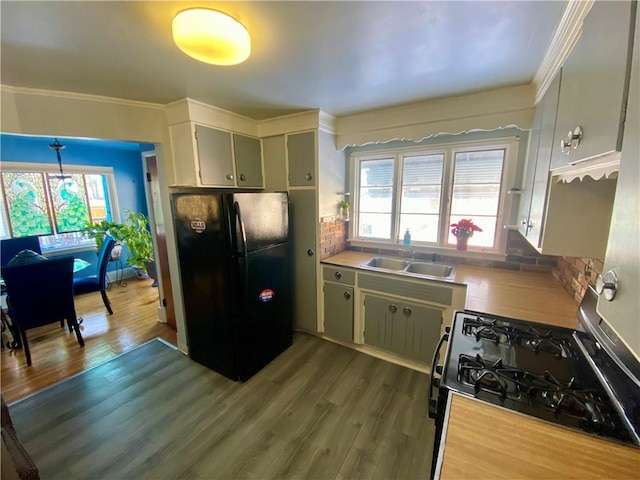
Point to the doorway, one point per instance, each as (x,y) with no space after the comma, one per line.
(158,226)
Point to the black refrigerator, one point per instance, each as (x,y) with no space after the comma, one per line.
(233,253)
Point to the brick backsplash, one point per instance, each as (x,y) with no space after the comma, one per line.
(575,274)
(333,238)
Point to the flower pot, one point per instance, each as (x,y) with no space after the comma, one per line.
(461,243)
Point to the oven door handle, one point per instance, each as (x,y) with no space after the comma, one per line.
(434,382)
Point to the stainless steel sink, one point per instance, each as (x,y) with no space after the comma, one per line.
(431,269)
(414,267)
(387,263)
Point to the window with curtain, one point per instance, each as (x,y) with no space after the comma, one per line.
(427,189)
(37,201)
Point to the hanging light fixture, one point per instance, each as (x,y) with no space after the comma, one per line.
(211,36)
(57,146)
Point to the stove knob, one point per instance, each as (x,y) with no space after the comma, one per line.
(607,285)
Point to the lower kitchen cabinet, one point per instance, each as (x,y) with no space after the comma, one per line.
(338,311)
(400,327)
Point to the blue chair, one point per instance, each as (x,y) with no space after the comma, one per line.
(39,294)
(10,247)
(98,282)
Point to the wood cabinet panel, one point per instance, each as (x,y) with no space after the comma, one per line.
(215,156)
(401,327)
(301,156)
(595,83)
(338,311)
(303,243)
(248,159)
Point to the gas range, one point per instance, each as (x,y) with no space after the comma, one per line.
(535,369)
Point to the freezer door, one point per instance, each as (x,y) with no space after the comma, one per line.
(206,276)
(264,217)
(265,327)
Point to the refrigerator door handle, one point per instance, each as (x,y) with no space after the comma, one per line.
(243,234)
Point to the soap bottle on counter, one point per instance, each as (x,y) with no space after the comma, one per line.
(407,238)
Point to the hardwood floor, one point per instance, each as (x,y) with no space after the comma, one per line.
(56,354)
(318,411)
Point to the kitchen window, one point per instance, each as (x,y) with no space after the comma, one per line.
(427,189)
(38,200)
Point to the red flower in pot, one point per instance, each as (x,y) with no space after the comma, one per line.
(463,230)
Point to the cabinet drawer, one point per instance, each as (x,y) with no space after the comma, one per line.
(421,291)
(339,275)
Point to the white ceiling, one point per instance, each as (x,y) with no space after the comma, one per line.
(341,57)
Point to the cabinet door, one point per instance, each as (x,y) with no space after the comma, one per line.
(378,321)
(541,176)
(302,205)
(407,329)
(417,331)
(527,187)
(338,311)
(248,155)
(595,83)
(623,254)
(301,155)
(215,158)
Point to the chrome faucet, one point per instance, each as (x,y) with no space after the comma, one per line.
(407,252)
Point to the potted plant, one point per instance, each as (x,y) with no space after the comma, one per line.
(463,230)
(98,231)
(137,236)
(344,209)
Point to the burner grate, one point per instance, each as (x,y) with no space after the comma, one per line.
(530,337)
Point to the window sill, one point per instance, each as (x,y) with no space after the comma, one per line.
(52,252)
(429,250)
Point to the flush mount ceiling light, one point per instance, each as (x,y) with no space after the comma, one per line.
(211,36)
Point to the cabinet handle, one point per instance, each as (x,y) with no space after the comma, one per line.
(338,275)
(242,177)
(310,253)
(607,285)
(229,176)
(407,311)
(393,308)
(347,295)
(573,140)
(308,176)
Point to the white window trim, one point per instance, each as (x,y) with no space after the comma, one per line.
(511,147)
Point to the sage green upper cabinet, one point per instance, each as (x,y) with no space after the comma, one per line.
(209,157)
(537,178)
(248,155)
(595,84)
(215,157)
(301,158)
(623,254)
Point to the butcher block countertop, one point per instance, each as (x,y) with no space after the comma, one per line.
(532,296)
(485,441)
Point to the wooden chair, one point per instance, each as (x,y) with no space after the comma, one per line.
(39,294)
(98,282)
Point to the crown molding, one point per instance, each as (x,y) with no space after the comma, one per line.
(79,96)
(190,110)
(564,39)
(296,122)
(328,122)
